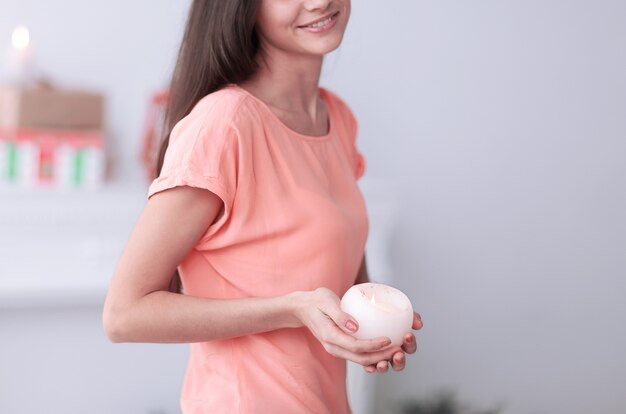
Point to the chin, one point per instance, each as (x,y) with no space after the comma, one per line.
(322,48)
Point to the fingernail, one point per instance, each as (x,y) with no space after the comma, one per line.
(351,326)
(409,339)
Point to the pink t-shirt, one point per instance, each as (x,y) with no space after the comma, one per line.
(294,220)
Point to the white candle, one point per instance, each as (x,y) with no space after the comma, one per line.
(380,310)
(20,56)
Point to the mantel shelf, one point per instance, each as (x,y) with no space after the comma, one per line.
(59,246)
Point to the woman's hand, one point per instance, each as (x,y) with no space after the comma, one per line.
(398,360)
(319,311)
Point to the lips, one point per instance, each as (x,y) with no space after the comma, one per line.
(321,19)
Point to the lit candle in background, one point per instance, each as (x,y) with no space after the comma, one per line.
(20,56)
(380,310)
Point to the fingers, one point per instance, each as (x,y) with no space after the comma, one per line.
(417,321)
(382,367)
(367,358)
(366,345)
(398,360)
(335,336)
(346,322)
(397,363)
(341,319)
(342,345)
(409,344)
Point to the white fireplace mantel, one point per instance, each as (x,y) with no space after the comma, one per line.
(59,247)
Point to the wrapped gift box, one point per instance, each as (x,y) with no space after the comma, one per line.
(51,137)
(52,158)
(48,107)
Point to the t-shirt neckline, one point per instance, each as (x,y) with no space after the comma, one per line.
(324,97)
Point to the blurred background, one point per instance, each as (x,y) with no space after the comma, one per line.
(495,136)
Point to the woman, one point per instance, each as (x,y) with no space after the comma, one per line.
(256,204)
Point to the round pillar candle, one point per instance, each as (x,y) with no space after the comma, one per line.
(379,310)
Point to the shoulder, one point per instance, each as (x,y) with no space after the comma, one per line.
(217,114)
(339,109)
(336,102)
(221,107)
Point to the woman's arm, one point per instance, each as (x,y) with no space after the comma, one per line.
(139,307)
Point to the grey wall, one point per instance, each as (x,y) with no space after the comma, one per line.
(503,121)
(501,125)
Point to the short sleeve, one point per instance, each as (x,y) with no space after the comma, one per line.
(357,157)
(202,153)
(349,132)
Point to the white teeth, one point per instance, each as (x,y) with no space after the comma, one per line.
(322,23)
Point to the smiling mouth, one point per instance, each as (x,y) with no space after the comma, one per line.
(321,23)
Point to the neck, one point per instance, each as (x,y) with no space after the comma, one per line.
(287,83)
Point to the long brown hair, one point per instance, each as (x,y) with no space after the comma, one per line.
(219,46)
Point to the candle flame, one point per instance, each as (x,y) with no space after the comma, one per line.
(382,306)
(20,39)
